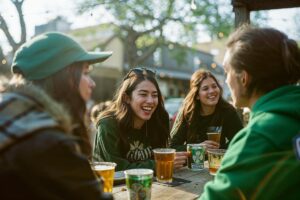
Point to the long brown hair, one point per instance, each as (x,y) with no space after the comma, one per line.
(268,55)
(63,86)
(191,104)
(157,126)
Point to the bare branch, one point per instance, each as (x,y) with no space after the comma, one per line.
(18,4)
(4,27)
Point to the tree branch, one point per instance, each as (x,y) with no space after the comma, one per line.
(4,27)
(18,4)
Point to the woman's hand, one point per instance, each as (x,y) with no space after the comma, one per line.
(209,144)
(180,159)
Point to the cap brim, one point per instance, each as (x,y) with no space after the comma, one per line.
(95,57)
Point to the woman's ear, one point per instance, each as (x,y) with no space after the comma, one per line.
(126,99)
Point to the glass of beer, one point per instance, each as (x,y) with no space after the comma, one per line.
(215,157)
(164,162)
(139,182)
(214,133)
(105,171)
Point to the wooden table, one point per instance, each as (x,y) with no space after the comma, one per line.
(186,191)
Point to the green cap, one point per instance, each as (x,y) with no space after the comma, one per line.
(49,53)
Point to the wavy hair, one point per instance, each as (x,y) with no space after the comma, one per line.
(157,125)
(191,104)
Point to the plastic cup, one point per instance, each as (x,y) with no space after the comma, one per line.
(215,157)
(214,133)
(164,162)
(196,157)
(139,182)
(105,171)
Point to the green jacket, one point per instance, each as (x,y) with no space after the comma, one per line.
(107,146)
(261,162)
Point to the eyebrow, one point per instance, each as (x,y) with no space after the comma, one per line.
(147,91)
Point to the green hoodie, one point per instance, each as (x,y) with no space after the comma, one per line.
(261,162)
(107,147)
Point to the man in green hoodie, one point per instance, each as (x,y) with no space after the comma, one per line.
(263,68)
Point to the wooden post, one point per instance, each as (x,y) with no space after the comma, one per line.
(242,13)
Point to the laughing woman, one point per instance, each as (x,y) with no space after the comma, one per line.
(204,107)
(134,124)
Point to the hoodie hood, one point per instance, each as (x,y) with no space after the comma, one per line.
(284,101)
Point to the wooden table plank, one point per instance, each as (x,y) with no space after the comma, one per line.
(186,191)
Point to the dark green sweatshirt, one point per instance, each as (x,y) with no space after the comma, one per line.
(261,162)
(108,148)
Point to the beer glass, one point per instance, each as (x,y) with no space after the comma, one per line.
(105,171)
(215,157)
(214,133)
(139,182)
(164,162)
(196,157)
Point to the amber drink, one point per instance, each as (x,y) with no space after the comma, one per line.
(215,157)
(106,172)
(164,162)
(214,133)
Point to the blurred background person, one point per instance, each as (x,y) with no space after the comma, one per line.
(98,108)
(43,118)
(203,107)
(134,124)
(94,113)
(262,67)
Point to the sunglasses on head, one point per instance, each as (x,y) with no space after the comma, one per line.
(140,71)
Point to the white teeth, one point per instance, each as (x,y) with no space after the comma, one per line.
(147,108)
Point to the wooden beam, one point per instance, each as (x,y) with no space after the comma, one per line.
(255,5)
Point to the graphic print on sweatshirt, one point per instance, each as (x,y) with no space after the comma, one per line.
(137,152)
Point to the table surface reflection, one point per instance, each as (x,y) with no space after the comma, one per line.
(193,187)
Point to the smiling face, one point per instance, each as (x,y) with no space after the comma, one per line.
(209,93)
(86,84)
(143,102)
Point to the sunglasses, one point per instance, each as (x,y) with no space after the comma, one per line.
(140,71)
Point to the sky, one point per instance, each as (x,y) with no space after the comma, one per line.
(37,12)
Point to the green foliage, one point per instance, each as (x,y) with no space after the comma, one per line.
(142,24)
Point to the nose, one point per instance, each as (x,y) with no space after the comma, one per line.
(92,83)
(150,99)
(211,90)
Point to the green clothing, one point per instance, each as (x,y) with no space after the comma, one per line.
(107,146)
(260,162)
(225,117)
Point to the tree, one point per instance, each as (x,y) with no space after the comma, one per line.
(4,27)
(4,69)
(145,25)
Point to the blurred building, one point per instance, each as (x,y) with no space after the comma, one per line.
(59,24)
(173,63)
